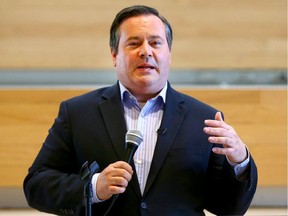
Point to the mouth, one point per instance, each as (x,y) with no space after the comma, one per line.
(145,66)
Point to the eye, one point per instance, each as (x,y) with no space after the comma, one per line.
(156,43)
(133,43)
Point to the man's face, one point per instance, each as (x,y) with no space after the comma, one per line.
(143,59)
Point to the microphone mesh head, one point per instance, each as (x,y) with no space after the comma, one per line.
(134,136)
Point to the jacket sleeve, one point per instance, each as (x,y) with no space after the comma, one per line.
(225,193)
(53,184)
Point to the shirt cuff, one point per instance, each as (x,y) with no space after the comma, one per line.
(95,199)
(240,168)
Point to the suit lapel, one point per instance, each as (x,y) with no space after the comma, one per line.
(174,114)
(113,115)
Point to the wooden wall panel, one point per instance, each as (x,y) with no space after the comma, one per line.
(258,115)
(208,34)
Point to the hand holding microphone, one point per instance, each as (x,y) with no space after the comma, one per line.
(115,177)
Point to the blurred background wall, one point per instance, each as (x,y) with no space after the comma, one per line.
(230,54)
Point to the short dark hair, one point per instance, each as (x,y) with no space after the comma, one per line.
(134,11)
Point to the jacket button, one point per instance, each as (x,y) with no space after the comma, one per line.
(143,205)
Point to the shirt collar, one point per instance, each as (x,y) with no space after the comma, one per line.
(162,93)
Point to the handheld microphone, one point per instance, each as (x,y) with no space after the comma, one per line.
(132,140)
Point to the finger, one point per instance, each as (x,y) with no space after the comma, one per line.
(116,189)
(217,124)
(225,141)
(123,174)
(218,117)
(119,182)
(114,171)
(223,151)
(123,165)
(220,132)
(234,155)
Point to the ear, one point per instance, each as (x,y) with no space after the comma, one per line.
(114,57)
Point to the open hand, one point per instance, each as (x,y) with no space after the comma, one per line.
(221,133)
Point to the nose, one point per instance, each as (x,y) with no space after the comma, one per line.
(145,50)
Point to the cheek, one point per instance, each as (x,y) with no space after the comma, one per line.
(168,59)
(164,57)
(122,61)
(165,63)
(122,68)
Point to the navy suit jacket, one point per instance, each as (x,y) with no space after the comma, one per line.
(185,176)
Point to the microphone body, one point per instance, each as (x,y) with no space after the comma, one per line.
(132,140)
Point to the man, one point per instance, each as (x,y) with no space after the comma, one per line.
(190,159)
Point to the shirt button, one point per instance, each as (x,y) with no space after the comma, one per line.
(143,205)
(138,161)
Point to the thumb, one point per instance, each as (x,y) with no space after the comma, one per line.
(218,116)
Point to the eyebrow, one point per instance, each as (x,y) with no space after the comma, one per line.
(150,37)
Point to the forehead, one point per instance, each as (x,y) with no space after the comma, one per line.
(148,24)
